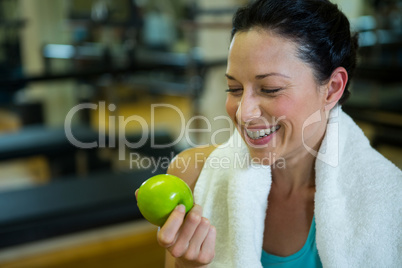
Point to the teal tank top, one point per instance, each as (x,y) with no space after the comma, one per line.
(307,256)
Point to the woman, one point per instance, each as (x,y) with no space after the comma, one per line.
(303,188)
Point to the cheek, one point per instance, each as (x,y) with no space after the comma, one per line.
(290,114)
(296,113)
(297,107)
(284,109)
(231,107)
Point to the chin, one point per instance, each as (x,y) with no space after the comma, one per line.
(263,157)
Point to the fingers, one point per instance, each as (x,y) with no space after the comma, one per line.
(191,238)
(169,231)
(194,247)
(193,220)
(207,252)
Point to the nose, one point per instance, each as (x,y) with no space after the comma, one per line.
(248,108)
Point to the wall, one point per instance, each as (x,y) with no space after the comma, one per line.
(46,24)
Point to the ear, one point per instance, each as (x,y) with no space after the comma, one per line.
(336,85)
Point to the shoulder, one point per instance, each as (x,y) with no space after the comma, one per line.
(188,164)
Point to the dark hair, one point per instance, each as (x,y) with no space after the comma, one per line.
(320,29)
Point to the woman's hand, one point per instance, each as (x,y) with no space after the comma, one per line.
(190,238)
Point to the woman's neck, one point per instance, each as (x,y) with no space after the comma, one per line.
(298,171)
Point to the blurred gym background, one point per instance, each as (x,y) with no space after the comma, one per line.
(88,66)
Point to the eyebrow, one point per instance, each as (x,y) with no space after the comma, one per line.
(260,76)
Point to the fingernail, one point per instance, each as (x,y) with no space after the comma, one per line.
(181,208)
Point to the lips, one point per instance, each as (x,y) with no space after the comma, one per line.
(261,133)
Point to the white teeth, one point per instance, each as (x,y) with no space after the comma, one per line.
(252,134)
(261,133)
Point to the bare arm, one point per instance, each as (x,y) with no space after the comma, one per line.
(189,240)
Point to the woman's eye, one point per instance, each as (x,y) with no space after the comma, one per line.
(234,91)
(271,91)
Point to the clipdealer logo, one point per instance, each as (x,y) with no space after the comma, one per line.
(115,135)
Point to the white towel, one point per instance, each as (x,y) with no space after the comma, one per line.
(358,201)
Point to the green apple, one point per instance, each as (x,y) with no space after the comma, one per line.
(158,196)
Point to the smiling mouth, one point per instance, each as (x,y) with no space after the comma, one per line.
(258,134)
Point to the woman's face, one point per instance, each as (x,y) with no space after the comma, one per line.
(272,97)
